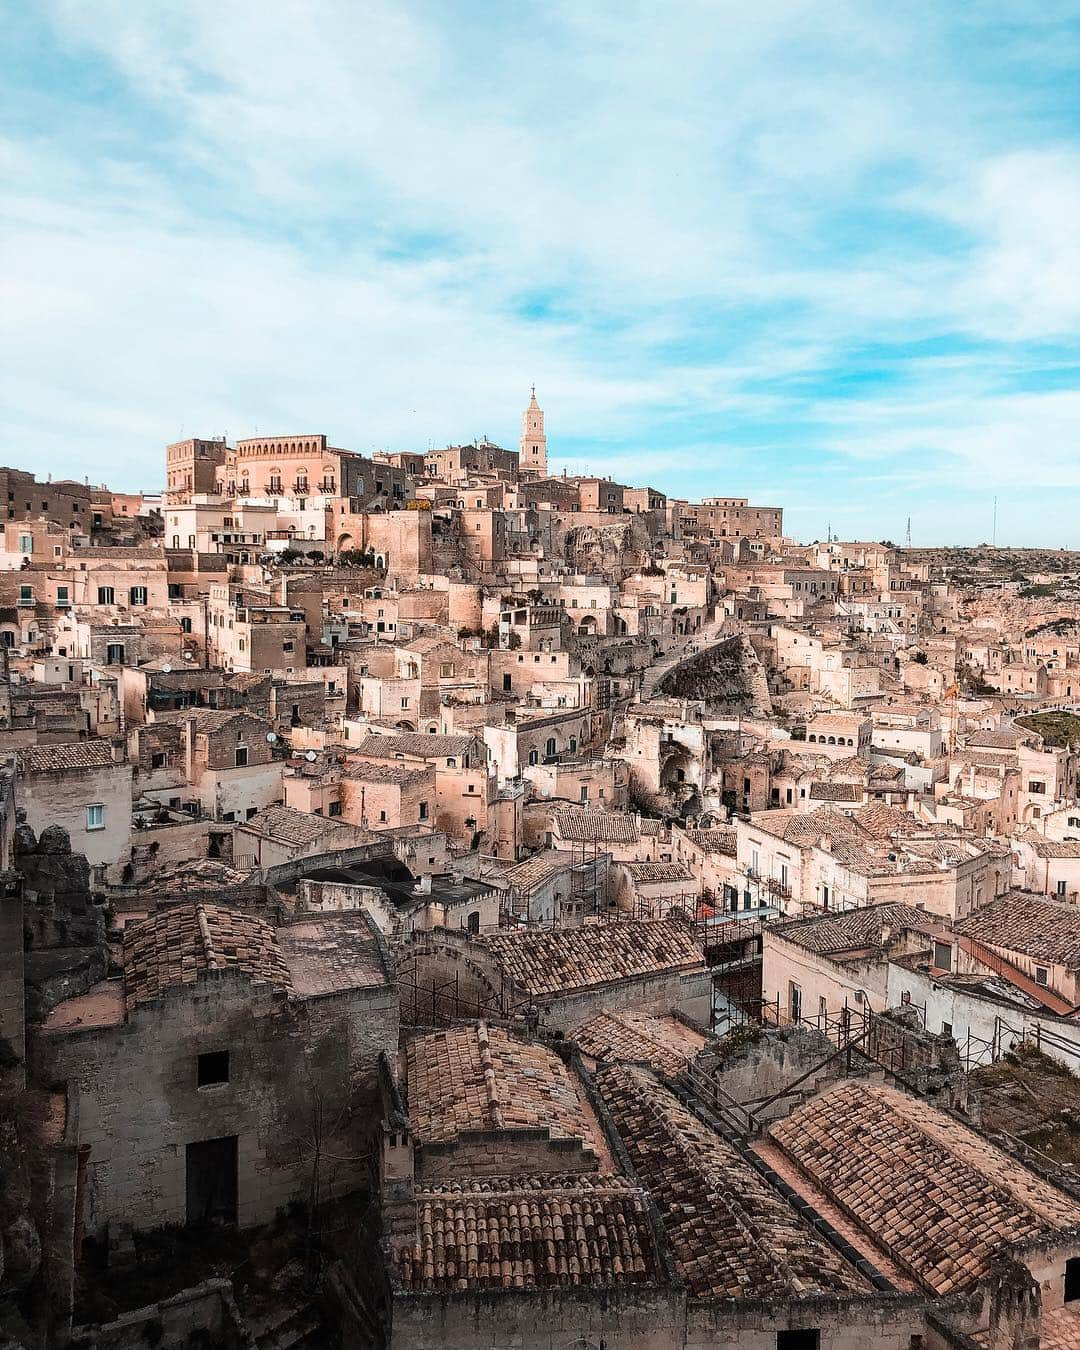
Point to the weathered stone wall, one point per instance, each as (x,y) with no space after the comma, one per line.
(690,993)
(204,1314)
(141,1106)
(647,1318)
(502,1153)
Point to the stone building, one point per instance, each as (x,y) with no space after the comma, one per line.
(85,788)
(197,1069)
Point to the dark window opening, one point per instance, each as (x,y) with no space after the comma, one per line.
(798,1340)
(213,1067)
(1072,1279)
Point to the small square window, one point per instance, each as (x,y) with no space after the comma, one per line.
(95,817)
(213,1068)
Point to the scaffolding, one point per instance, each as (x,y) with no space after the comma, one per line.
(431,1000)
(586,899)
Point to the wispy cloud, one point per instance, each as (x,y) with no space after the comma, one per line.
(827,252)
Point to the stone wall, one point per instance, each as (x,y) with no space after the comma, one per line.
(689,992)
(204,1314)
(501,1153)
(645,1318)
(140,1105)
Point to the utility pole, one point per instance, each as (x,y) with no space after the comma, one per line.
(909,531)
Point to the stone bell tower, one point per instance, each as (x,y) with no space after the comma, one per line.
(533,443)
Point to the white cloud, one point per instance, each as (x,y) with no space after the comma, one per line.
(680,177)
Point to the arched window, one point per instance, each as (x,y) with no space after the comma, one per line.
(549,749)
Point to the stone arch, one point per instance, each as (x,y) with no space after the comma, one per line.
(344,543)
(442,977)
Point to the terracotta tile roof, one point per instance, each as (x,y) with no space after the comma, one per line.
(1020,921)
(836,792)
(176,945)
(365,772)
(532,871)
(937,1196)
(289,826)
(417,744)
(646,872)
(880,821)
(807,827)
(481,1078)
(1007,738)
(519,1234)
(554,961)
(639,1038)
(856,928)
(731,1234)
(66,758)
(330,952)
(1051,848)
(603,827)
(715,841)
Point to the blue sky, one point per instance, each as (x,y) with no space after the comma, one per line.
(824,255)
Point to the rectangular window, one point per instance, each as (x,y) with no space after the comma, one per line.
(137,595)
(794,1001)
(159,760)
(26,595)
(26,543)
(106,595)
(798,1340)
(241,756)
(423,810)
(1042,975)
(95,817)
(213,1068)
(63,599)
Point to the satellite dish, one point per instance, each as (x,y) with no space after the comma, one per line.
(166,668)
(311,756)
(189,656)
(271,737)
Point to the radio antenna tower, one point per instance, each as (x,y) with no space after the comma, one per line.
(909,531)
(993,536)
